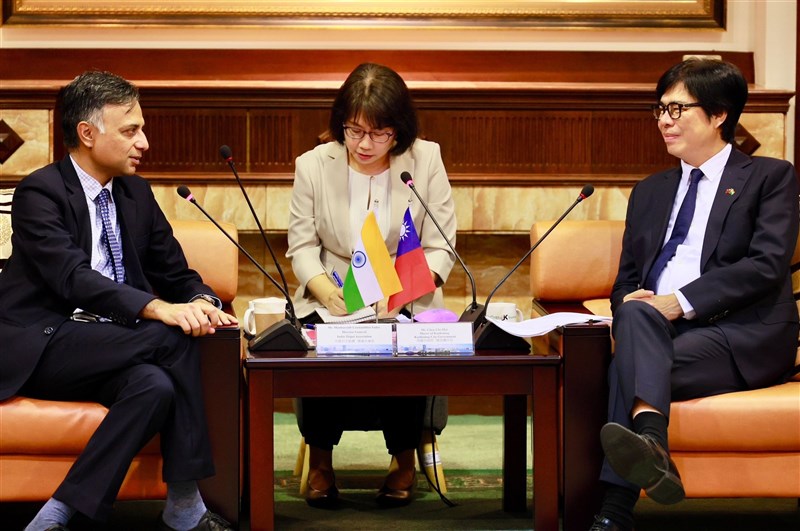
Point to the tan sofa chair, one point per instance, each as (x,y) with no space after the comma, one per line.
(754,433)
(40,439)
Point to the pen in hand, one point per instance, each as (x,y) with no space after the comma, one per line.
(337,279)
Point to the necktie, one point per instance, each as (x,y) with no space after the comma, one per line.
(108,237)
(682,223)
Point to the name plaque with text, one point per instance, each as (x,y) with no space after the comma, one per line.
(435,339)
(362,339)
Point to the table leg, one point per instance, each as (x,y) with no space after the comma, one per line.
(515,414)
(587,353)
(545,448)
(262,455)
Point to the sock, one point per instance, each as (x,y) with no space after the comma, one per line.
(52,513)
(652,424)
(618,504)
(184,506)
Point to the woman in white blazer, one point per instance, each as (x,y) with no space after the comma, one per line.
(374,126)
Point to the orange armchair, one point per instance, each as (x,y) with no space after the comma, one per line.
(756,432)
(40,439)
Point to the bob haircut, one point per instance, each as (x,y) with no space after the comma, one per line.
(718,86)
(377,95)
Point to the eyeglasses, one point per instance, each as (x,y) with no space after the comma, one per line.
(673,109)
(356,133)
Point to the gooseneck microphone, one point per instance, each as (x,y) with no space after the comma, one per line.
(283,335)
(474,313)
(227,155)
(488,336)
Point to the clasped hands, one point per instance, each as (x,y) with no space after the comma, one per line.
(196,318)
(667,305)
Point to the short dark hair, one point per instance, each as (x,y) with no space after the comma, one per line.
(378,95)
(718,86)
(83,99)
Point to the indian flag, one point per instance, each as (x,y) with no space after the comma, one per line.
(371,276)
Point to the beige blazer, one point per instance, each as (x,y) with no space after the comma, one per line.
(319,219)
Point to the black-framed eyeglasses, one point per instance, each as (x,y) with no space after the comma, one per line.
(356,133)
(673,109)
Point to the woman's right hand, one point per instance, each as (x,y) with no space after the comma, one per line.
(335,302)
(328,294)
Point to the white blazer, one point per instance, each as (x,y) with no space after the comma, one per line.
(319,219)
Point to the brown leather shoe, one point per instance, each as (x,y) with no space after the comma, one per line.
(640,460)
(388,497)
(322,499)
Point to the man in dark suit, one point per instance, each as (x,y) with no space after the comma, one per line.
(702,302)
(80,318)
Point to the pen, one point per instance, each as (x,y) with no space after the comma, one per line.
(337,279)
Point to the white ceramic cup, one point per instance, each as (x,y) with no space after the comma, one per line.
(504,311)
(263,313)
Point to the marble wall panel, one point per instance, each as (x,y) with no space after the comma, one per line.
(769,130)
(35,128)
(222,202)
(277,202)
(514,209)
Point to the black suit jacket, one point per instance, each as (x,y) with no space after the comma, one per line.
(745,286)
(49,273)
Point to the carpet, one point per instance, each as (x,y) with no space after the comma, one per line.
(471,452)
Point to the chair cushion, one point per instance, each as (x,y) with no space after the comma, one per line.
(32,426)
(564,270)
(211,254)
(759,420)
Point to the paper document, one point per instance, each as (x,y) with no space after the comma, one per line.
(367,313)
(542,325)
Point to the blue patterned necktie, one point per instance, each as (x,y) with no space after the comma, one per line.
(682,223)
(108,237)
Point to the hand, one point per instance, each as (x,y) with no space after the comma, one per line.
(667,305)
(383,313)
(639,295)
(194,318)
(334,302)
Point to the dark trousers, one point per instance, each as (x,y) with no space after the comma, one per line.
(149,379)
(659,361)
(400,418)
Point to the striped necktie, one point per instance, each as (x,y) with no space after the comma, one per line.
(682,223)
(108,238)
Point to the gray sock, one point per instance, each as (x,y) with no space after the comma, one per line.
(184,506)
(52,513)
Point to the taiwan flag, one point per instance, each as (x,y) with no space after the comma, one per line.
(411,266)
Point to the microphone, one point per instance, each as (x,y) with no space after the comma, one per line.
(474,313)
(487,335)
(227,155)
(281,336)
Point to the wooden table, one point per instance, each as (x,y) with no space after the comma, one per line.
(513,375)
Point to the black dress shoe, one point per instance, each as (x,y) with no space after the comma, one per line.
(322,499)
(642,461)
(601,523)
(388,497)
(209,522)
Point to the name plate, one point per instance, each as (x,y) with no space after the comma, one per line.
(435,339)
(362,339)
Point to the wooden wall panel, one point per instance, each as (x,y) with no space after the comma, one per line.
(497,121)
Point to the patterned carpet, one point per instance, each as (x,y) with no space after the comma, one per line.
(472,456)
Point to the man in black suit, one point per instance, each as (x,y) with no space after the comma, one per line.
(702,302)
(80,318)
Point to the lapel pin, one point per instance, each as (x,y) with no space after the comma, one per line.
(730,191)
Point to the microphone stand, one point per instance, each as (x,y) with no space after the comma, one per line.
(487,336)
(474,313)
(281,336)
